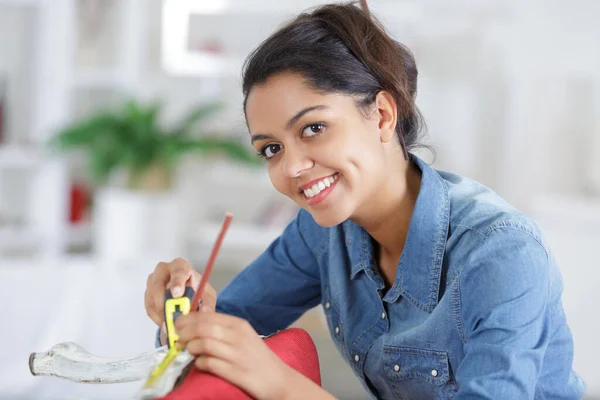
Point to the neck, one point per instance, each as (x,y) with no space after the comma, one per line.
(387,216)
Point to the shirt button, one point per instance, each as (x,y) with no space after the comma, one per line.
(337,329)
(327,305)
(356,358)
(434,372)
(396,368)
(382,315)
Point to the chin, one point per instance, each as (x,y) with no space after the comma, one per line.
(327,219)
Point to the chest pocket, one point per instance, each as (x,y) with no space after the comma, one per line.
(419,373)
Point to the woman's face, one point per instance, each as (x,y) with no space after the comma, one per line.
(321,150)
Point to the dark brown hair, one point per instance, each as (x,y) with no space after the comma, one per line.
(339,48)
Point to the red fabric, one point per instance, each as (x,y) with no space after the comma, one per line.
(294,346)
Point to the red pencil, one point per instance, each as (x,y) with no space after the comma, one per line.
(211,261)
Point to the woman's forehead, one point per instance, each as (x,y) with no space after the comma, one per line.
(271,104)
(279,98)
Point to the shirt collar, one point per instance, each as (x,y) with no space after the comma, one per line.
(419,270)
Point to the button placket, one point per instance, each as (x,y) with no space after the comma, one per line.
(384,319)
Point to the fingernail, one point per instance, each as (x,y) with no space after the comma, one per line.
(177,291)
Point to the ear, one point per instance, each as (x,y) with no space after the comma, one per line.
(387,113)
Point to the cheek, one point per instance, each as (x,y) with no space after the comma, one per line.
(358,147)
(278,180)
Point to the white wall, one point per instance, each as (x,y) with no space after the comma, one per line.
(15,56)
(15,64)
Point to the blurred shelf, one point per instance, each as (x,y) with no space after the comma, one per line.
(12,156)
(80,234)
(20,2)
(218,7)
(98,78)
(239,237)
(239,176)
(292,8)
(264,7)
(18,239)
(202,64)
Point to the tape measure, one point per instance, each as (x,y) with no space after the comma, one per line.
(174,308)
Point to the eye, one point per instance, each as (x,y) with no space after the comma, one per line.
(313,129)
(270,150)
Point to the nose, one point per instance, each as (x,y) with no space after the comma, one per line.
(295,161)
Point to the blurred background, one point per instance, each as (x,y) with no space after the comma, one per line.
(123,143)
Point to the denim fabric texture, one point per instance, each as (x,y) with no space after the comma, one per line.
(475,311)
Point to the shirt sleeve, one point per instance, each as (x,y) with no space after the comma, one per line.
(503,300)
(282,283)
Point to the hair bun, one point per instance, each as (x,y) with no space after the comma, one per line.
(365,8)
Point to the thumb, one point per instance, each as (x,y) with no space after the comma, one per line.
(177,291)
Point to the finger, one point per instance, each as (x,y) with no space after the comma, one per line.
(163,334)
(157,283)
(195,279)
(190,327)
(161,273)
(154,294)
(181,274)
(213,318)
(151,311)
(211,347)
(219,367)
(209,299)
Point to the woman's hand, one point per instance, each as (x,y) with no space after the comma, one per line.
(230,348)
(175,276)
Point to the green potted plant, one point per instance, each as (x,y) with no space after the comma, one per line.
(132,139)
(142,217)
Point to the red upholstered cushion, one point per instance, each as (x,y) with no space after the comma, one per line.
(294,346)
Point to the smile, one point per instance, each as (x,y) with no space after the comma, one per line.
(321,185)
(320,189)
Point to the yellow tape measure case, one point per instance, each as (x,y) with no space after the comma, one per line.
(175,307)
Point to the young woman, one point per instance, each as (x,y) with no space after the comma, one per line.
(432,285)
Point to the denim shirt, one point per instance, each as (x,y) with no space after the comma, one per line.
(475,310)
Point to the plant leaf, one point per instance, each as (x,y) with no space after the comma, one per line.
(185,127)
(228,147)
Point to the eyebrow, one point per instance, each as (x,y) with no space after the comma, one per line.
(291,122)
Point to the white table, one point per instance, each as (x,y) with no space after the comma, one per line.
(102,309)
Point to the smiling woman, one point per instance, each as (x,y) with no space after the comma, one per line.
(314,137)
(433,286)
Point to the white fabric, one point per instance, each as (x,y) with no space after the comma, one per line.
(100,308)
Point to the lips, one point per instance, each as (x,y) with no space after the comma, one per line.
(314,187)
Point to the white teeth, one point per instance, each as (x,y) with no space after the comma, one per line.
(319,186)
